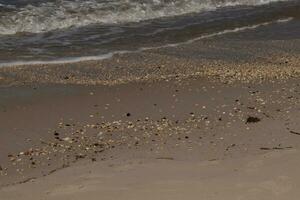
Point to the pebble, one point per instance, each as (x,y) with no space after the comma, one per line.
(252,120)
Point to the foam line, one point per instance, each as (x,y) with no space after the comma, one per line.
(63,14)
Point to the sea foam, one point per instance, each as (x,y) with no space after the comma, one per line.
(61,14)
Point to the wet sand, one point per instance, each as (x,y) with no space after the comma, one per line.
(140,129)
(271,176)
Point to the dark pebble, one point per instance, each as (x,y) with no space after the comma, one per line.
(252,120)
(264,148)
(295,133)
(80,156)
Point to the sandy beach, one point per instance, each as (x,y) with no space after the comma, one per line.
(168,139)
(213,119)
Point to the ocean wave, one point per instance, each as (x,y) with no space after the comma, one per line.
(111,54)
(61,14)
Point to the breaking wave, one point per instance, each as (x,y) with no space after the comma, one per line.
(61,14)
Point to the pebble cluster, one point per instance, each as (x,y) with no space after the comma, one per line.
(72,141)
(153,67)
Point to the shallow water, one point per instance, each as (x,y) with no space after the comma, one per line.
(39,30)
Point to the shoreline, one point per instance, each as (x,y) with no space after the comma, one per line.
(155,68)
(241,56)
(109,55)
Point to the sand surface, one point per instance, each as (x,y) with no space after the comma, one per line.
(215,119)
(164,140)
(270,176)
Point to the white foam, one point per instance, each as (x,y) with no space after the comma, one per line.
(236,30)
(77,13)
(111,54)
